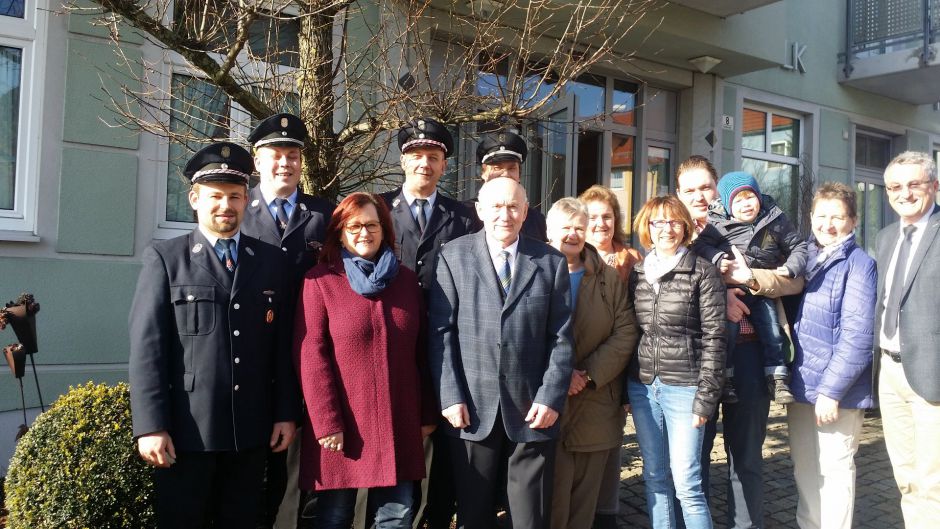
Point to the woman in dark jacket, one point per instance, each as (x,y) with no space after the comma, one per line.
(359,348)
(832,380)
(679,369)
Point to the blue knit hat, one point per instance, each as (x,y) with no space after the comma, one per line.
(733,183)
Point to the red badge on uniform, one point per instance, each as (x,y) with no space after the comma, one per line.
(269,317)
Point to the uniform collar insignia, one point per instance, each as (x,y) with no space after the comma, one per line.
(249,251)
(255,202)
(396,202)
(303,207)
(197,247)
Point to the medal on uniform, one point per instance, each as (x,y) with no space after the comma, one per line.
(269,317)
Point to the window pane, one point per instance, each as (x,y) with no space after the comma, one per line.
(660,111)
(624,100)
(658,162)
(556,138)
(199,114)
(872,151)
(492,77)
(779,180)
(589,95)
(537,85)
(785,136)
(754,130)
(10,70)
(275,40)
(621,175)
(12,8)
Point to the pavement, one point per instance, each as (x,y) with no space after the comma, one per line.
(877,500)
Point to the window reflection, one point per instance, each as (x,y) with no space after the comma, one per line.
(779,180)
(754,133)
(624,103)
(10,76)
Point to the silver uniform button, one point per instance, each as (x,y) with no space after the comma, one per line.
(284,248)
(236,333)
(238,360)
(236,387)
(190,297)
(420,263)
(236,306)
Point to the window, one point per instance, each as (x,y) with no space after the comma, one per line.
(872,155)
(201,113)
(22,37)
(770,150)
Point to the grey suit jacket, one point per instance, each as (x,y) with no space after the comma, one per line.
(495,356)
(919,325)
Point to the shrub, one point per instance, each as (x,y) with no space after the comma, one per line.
(78,467)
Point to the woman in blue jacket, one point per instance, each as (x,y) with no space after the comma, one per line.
(832,370)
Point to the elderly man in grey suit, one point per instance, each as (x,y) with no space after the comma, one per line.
(907,354)
(501,359)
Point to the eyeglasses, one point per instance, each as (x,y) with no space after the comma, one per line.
(916,186)
(662,224)
(371,227)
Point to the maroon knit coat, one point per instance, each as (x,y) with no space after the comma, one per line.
(362,368)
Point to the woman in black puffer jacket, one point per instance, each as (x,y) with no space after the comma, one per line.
(678,371)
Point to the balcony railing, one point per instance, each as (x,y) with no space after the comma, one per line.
(877,27)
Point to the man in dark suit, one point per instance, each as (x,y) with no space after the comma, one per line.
(907,332)
(212,383)
(501,357)
(279,213)
(424,220)
(501,154)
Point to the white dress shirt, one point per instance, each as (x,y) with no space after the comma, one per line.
(495,247)
(894,343)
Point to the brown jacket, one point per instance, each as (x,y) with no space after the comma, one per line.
(605,336)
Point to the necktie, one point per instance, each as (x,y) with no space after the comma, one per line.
(893,306)
(282,218)
(422,219)
(505,272)
(226,246)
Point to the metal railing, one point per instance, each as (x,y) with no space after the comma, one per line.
(876,27)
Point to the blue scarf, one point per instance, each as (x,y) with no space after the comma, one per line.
(369,278)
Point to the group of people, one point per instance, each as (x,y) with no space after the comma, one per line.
(466,359)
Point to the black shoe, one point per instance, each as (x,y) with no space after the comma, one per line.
(777,384)
(728,394)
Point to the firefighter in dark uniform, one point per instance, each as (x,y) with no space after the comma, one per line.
(424,220)
(501,154)
(212,383)
(278,212)
(281,214)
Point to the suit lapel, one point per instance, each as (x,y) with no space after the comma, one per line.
(403,219)
(927,239)
(522,272)
(298,217)
(202,254)
(247,263)
(258,208)
(484,269)
(440,216)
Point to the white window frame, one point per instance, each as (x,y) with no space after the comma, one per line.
(29,34)
(175,64)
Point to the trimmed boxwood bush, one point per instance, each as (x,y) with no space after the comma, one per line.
(78,467)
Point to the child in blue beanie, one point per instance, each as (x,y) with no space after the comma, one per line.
(759,229)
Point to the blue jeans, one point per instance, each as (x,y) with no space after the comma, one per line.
(390,507)
(671,448)
(763,317)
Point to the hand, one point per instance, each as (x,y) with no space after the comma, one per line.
(541,416)
(282,435)
(698,421)
(827,410)
(427,430)
(738,273)
(782,271)
(332,442)
(737,310)
(157,449)
(724,265)
(457,415)
(578,382)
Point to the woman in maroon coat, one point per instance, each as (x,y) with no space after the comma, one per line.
(359,349)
